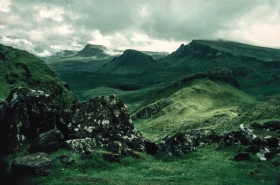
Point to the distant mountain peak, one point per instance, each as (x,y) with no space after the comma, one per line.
(92,50)
(131,62)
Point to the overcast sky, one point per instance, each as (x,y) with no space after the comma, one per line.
(46,26)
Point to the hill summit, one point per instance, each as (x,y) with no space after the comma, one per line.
(92,50)
(131,62)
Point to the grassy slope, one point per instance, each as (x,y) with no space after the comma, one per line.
(239,49)
(205,166)
(200,104)
(20,68)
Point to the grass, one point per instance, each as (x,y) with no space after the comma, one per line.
(204,166)
(22,69)
(201,104)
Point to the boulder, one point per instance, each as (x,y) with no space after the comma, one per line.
(104,118)
(115,147)
(65,159)
(24,115)
(33,164)
(261,154)
(151,146)
(243,156)
(243,136)
(202,136)
(81,145)
(48,141)
(178,144)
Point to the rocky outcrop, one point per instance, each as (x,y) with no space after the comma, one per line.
(263,147)
(182,143)
(106,119)
(33,164)
(217,74)
(30,116)
(152,109)
(273,125)
(23,116)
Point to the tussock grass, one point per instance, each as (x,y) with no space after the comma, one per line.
(204,166)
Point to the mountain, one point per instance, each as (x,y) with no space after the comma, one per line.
(131,62)
(256,68)
(92,50)
(21,69)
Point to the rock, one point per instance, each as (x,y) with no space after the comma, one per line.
(273,125)
(81,145)
(35,164)
(253,149)
(270,155)
(66,159)
(104,118)
(247,134)
(86,155)
(272,142)
(115,147)
(48,141)
(151,146)
(111,157)
(25,114)
(182,143)
(178,144)
(244,156)
(261,154)
(244,136)
(202,136)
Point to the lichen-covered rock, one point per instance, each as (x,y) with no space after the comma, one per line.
(36,164)
(202,136)
(104,118)
(81,145)
(24,115)
(178,144)
(244,136)
(48,141)
(184,142)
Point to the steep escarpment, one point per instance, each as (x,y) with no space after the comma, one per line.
(22,69)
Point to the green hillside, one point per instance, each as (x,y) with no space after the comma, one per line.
(199,102)
(20,68)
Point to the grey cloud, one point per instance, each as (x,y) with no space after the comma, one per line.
(172,20)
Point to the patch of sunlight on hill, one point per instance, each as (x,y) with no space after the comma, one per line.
(202,104)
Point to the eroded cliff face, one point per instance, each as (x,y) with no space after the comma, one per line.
(27,116)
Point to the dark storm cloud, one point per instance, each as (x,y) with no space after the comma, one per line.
(67,24)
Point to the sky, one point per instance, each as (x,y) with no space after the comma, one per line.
(44,27)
